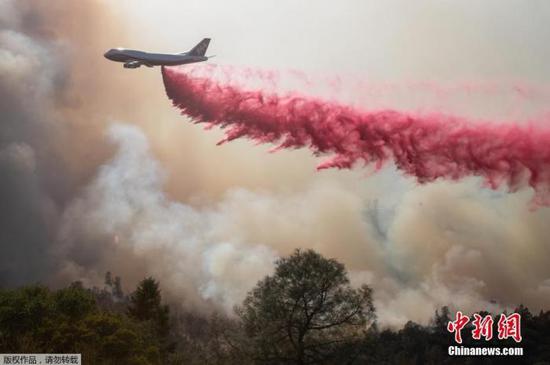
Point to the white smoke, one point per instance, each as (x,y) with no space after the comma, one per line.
(176,241)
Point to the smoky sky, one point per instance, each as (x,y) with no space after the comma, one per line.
(99,173)
(32,184)
(48,147)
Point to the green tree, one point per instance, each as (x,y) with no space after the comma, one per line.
(24,315)
(146,300)
(146,305)
(305,313)
(35,319)
(74,301)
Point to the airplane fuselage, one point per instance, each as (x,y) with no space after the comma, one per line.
(134,59)
(151,59)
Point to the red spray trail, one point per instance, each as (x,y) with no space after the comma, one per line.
(426,147)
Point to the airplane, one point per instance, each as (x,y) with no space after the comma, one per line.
(134,59)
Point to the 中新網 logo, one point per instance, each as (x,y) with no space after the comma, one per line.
(508,326)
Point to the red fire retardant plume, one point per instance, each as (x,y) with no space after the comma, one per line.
(427,147)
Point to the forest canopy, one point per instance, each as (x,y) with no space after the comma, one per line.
(306,312)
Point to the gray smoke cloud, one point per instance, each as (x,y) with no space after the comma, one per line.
(81,195)
(31,77)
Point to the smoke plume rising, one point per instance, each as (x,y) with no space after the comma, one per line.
(426,147)
(194,259)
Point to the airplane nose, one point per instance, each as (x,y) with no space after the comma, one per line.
(108,55)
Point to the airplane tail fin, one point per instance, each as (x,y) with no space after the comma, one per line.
(200,48)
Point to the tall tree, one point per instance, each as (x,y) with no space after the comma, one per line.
(306,312)
(108,279)
(145,301)
(118,294)
(145,305)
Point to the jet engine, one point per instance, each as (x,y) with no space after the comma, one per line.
(133,64)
